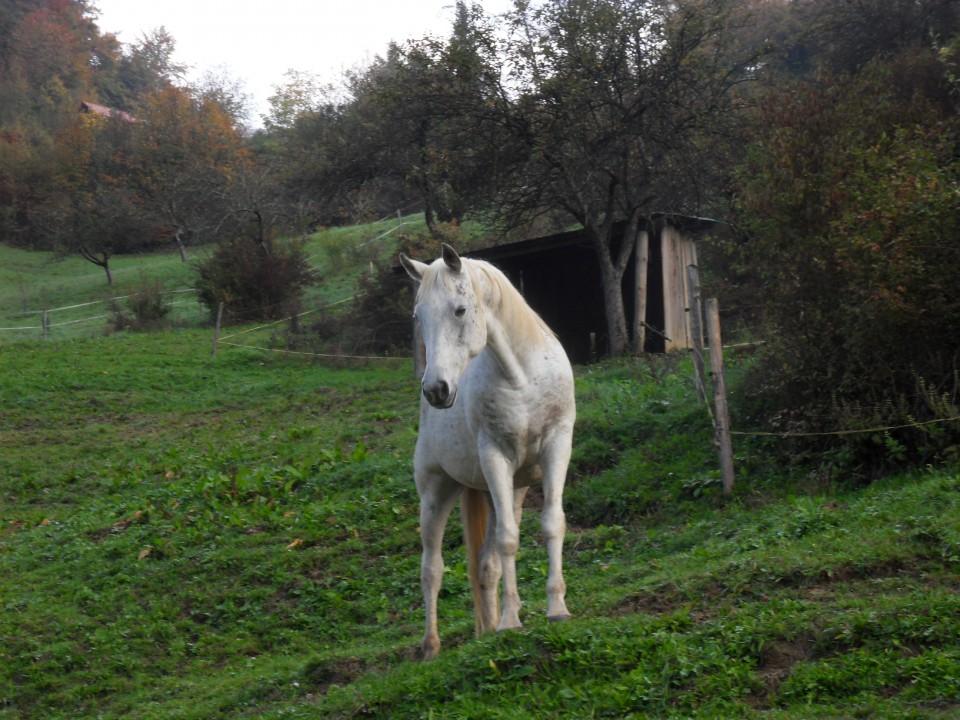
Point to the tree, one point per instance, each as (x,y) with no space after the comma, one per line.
(251,271)
(851,247)
(45,68)
(408,124)
(47,64)
(219,86)
(845,37)
(53,45)
(442,89)
(126,184)
(254,281)
(300,95)
(187,152)
(616,109)
(597,111)
(58,163)
(93,209)
(254,205)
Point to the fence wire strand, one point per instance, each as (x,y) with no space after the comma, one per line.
(286,319)
(830,433)
(225,339)
(316,354)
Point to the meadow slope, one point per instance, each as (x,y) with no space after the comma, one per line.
(236,537)
(81,304)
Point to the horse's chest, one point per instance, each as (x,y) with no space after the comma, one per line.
(486,423)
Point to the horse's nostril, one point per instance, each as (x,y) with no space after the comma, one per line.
(438,394)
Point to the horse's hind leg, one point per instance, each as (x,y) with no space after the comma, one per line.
(553,522)
(438,494)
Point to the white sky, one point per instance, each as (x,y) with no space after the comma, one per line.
(257,41)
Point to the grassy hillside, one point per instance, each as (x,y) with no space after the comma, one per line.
(188,537)
(31,282)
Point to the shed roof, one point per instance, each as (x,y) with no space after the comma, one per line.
(689,224)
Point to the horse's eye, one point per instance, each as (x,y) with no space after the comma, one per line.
(460,311)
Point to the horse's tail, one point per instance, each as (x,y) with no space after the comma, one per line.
(475,512)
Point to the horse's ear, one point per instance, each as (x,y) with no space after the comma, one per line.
(413,267)
(450,257)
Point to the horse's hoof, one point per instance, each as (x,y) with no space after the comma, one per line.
(559,618)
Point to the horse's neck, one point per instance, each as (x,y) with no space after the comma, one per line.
(509,345)
(510,362)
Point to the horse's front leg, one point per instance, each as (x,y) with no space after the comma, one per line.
(438,495)
(491,567)
(554,461)
(498,473)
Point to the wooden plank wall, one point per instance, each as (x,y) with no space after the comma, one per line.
(678,252)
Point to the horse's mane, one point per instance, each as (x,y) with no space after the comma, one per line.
(499,296)
(520,321)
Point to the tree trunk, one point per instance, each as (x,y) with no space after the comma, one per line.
(180,246)
(103,261)
(613,306)
(611,277)
(428,218)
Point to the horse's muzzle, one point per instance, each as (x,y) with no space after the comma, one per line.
(439,395)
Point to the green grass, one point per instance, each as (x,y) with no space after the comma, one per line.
(183,536)
(236,537)
(31,282)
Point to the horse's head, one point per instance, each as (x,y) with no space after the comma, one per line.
(451,318)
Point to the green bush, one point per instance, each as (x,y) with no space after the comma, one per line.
(254,281)
(144,309)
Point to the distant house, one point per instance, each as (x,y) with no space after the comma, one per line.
(560,277)
(96,109)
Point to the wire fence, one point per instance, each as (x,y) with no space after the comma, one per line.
(97,317)
(90,318)
(262,337)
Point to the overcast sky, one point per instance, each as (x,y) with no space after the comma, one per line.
(257,41)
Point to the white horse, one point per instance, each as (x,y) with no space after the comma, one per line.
(496,416)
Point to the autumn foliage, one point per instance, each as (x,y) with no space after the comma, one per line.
(101,151)
(852,246)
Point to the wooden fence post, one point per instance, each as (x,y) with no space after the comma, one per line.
(696,330)
(216,329)
(722,423)
(45,324)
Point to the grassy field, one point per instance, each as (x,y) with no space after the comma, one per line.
(236,537)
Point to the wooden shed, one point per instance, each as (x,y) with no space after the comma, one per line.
(559,275)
